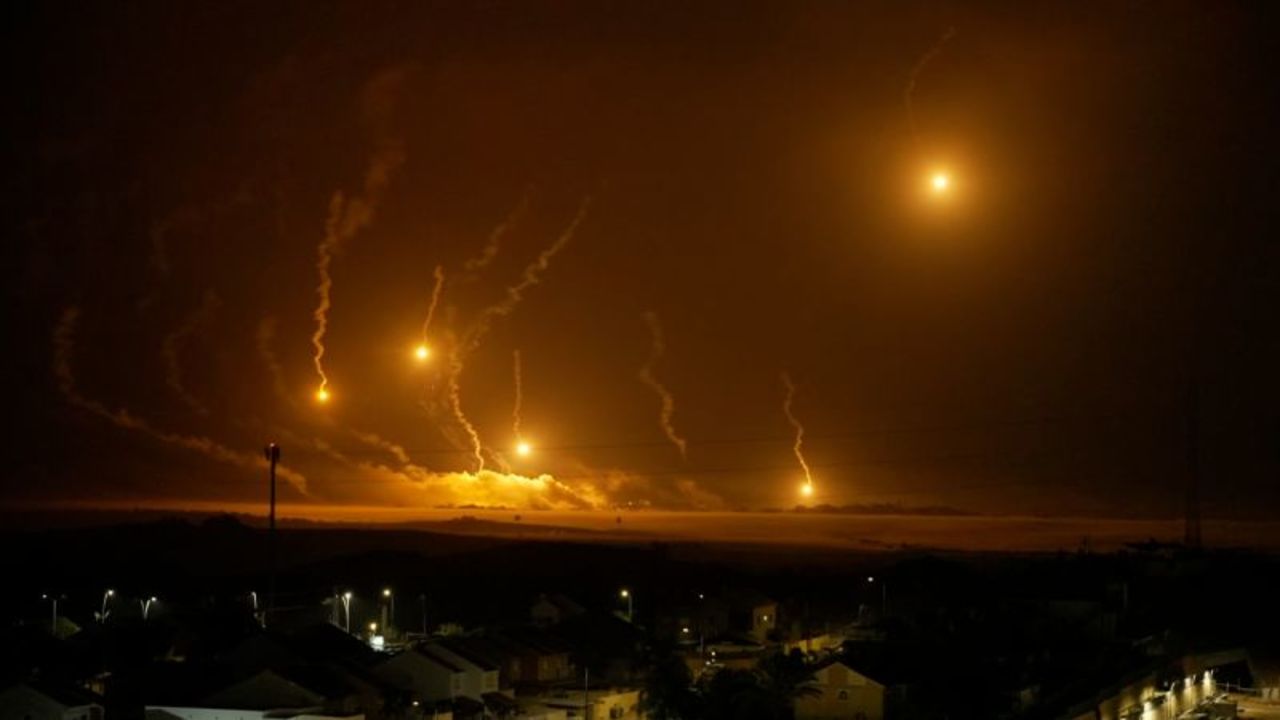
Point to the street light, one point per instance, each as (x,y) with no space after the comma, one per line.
(884,594)
(53,622)
(626,595)
(102,615)
(388,609)
(346,606)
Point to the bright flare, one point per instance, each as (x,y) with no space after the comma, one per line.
(940,182)
(806,489)
(422,352)
(523,448)
(322,395)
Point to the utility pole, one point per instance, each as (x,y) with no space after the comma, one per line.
(272,453)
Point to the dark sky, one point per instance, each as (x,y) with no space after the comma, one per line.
(749,174)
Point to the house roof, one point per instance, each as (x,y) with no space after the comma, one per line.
(475,651)
(844,664)
(425,651)
(65,694)
(467,650)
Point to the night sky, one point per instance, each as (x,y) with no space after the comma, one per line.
(745,173)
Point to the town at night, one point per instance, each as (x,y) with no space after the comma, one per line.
(694,360)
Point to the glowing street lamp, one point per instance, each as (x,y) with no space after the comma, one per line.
(626,595)
(53,623)
(102,615)
(388,609)
(884,594)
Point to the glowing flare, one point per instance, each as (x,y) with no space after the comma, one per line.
(523,448)
(423,351)
(806,489)
(347,217)
(940,182)
(471,340)
(795,423)
(322,395)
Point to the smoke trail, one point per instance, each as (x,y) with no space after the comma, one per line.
(491,247)
(347,216)
(172,344)
(265,337)
(471,340)
(435,300)
(377,441)
(657,348)
(909,91)
(791,418)
(64,349)
(515,412)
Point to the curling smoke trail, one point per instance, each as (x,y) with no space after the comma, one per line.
(908,92)
(64,349)
(657,349)
(471,340)
(172,345)
(346,218)
(494,243)
(791,418)
(519,381)
(435,300)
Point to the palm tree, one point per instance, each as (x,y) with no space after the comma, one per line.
(785,678)
(669,691)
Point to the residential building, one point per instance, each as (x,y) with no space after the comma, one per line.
(539,658)
(479,676)
(843,694)
(427,677)
(601,704)
(553,609)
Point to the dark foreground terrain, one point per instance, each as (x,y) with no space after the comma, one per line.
(948,634)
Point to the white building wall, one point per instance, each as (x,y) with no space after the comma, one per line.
(476,680)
